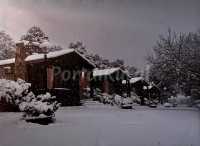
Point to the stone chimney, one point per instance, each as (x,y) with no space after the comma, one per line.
(20,64)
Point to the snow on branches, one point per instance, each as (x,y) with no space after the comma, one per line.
(18,94)
(36,37)
(35,34)
(7,46)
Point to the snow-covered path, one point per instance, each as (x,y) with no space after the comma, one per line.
(99,125)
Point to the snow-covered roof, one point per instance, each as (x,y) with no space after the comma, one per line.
(105,72)
(151,85)
(136,79)
(49,55)
(39,56)
(36,43)
(133,80)
(45,44)
(7,61)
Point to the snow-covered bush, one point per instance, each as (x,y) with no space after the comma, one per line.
(180,99)
(123,102)
(103,97)
(41,104)
(135,98)
(126,102)
(18,94)
(107,99)
(167,104)
(117,99)
(13,92)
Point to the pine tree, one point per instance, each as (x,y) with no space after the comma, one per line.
(35,34)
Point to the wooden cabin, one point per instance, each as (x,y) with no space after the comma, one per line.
(61,72)
(143,89)
(110,80)
(154,92)
(138,85)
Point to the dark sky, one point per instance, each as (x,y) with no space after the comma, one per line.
(125,29)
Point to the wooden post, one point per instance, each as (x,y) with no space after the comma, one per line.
(91,85)
(20,64)
(106,86)
(128,86)
(82,82)
(45,73)
(50,77)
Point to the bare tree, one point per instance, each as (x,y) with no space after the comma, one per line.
(175,62)
(7,46)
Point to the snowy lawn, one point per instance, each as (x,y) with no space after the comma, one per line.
(103,125)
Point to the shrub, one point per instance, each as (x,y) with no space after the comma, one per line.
(18,94)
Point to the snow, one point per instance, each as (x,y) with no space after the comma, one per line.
(42,104)
(149,87)
(39,56)
(118,99)
(18,94)
(7,61)
(12,91)
(133,80)
(34,57)
(49,55)
(136,79)
(167,104)
(104,72)
(101,125)
(59,53)
(41,107)
(127,100)
(7,67)
(54,55)
(45,44)
(7,46)
(36,43)
(24,42)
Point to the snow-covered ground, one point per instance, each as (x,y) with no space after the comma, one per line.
(102,125)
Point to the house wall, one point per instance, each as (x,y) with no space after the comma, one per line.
(7,72)
(111,84)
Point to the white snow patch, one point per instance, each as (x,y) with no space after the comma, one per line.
(100,125)
(133,80)
(45,44)
(23,41)
(136,79)
(34,57)
(36,43)
(104,72)
(7,61)
(39,56)
(59,53)
(49,55)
